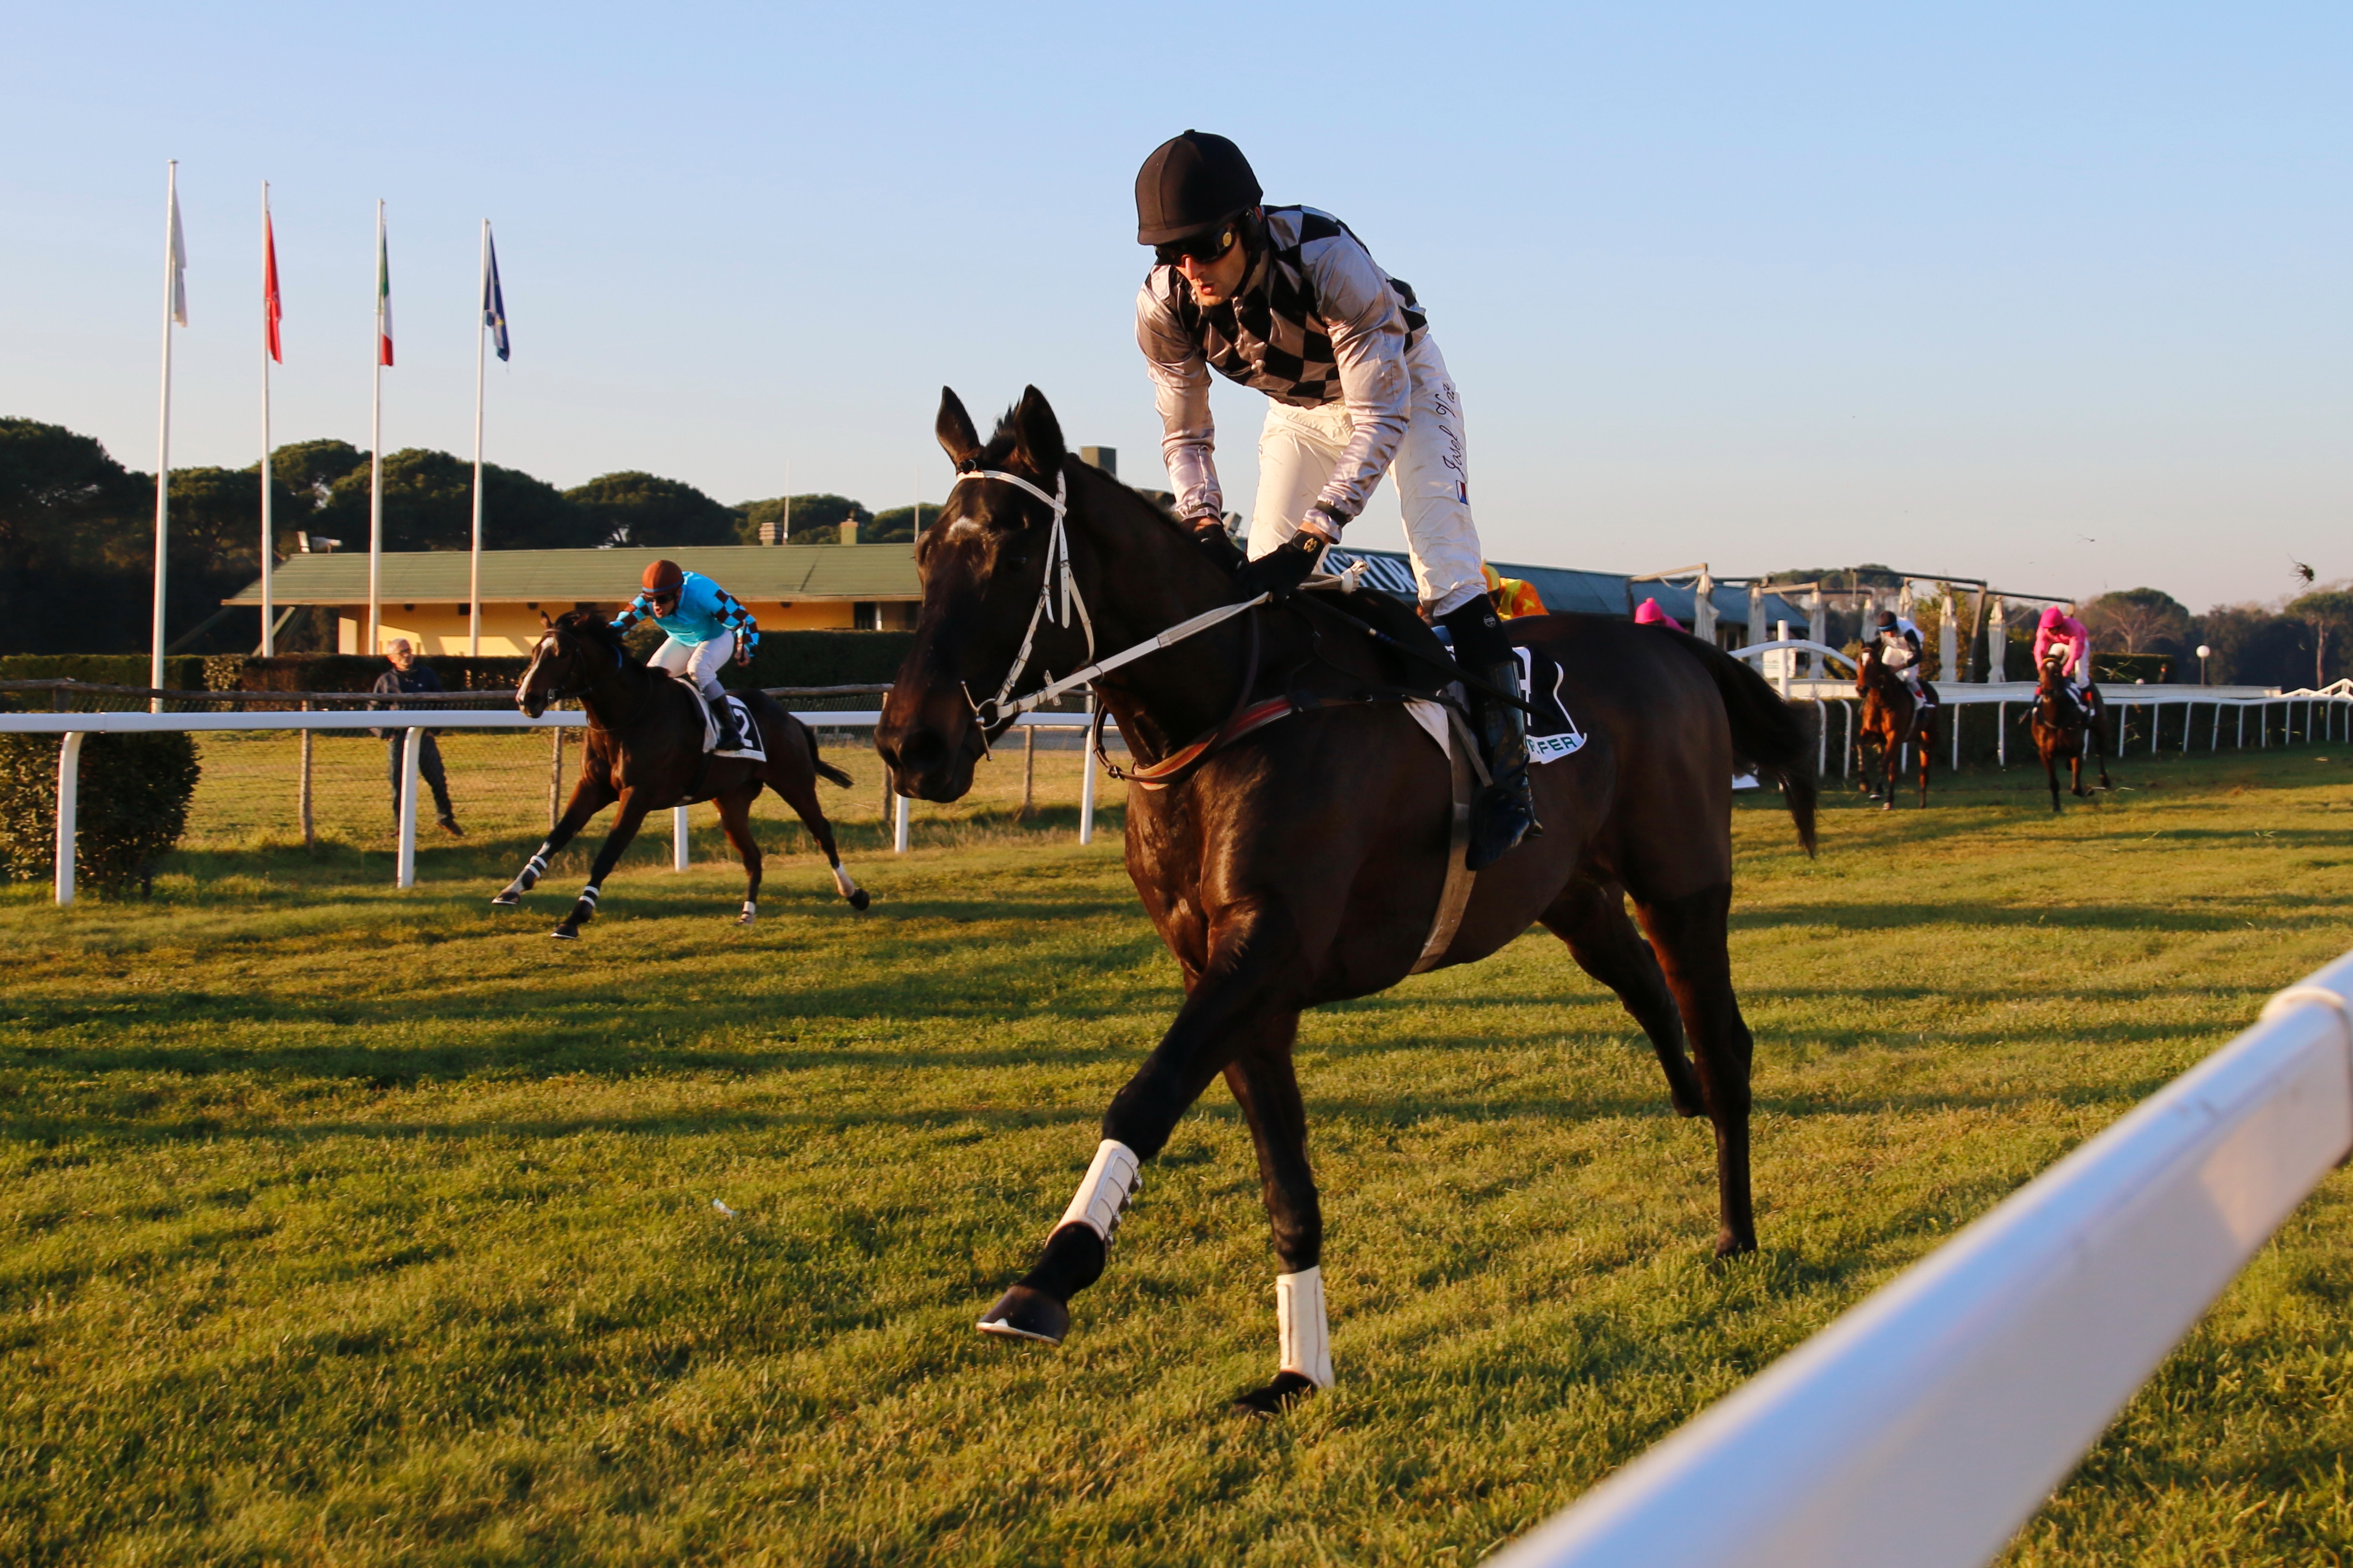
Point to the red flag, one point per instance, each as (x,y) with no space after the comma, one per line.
(271,309)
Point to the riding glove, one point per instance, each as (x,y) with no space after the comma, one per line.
(1281,570)
(1210,534)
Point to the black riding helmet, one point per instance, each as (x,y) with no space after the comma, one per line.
(1887,620)
(1190,184)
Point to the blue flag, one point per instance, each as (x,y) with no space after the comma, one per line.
(494,300)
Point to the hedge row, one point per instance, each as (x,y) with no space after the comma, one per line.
(131,805)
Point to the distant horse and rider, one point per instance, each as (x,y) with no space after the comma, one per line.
(2069,716)
(654,742)
(1299,826)
(1899,709)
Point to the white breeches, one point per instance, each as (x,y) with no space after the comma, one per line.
(1300,447)
(698,662)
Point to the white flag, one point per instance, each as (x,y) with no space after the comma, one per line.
(179,264)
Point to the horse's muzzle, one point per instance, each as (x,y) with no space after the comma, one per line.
(928,765)
(929,741)
(531,703)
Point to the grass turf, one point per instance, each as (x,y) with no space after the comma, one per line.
(355,1225)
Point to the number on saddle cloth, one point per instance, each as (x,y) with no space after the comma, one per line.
(1551,733)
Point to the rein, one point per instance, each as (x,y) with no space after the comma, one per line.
(1002,709)
(994,714)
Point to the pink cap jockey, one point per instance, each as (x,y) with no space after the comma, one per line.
(2059,629)
(1648,614)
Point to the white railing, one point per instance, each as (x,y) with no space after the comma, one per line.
(73,727)
(2329,704)
(1925,1426)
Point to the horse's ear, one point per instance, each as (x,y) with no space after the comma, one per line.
(545,622)
(1037,434)
(959,439)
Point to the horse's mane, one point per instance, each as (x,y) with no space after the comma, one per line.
(590,625)
(998,449)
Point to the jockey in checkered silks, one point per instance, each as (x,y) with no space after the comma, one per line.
(1287,301)
(707,626)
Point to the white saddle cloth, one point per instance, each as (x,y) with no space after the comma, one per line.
(752,749)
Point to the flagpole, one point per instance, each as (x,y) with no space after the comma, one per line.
(375,450)
(268,632)
(474,567)
(164,436)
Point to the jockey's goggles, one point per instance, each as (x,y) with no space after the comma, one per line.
(1210,245)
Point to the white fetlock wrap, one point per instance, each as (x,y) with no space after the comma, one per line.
(1112,1179)
(841,882)
(1300,1322)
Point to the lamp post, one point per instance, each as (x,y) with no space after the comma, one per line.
(2202,651)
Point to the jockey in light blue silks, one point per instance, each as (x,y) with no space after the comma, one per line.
(707,626)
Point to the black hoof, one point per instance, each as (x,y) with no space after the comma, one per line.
(1287,1390)
(506,900)
(859,900)
(1734,1247)
(1022,1313)
(568,932)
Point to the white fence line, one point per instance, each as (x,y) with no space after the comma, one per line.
(1925,1425)
(73,727)
(2333,700)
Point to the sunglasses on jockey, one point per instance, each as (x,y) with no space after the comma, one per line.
(1210,245)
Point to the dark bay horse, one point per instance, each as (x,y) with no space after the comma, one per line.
(645,751)
(2066,728)
(1305,862)
(1894,718)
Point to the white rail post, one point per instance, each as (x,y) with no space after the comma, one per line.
(679,857)
(68,807)
(1087,788)
(412,742)
(2001,735)
(899,823)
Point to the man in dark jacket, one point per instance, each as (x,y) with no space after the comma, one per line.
(406,676)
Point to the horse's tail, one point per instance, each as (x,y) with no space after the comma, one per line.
(824,770)
(1776,736)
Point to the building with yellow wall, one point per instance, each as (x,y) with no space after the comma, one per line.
(424,593)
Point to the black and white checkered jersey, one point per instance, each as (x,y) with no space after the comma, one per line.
(1315,321)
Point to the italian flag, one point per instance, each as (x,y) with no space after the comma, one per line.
(383,298)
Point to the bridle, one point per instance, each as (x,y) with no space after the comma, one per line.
(540,652)
(1001,710)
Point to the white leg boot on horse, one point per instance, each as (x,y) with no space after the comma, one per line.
(1074,1251)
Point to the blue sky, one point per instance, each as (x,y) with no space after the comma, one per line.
(2053,295)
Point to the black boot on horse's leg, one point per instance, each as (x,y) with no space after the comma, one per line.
(1504,813)
(1038,1307)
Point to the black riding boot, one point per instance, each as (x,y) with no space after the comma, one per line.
(1504,812)
(731,734)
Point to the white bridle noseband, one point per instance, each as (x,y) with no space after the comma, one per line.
(993,713)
